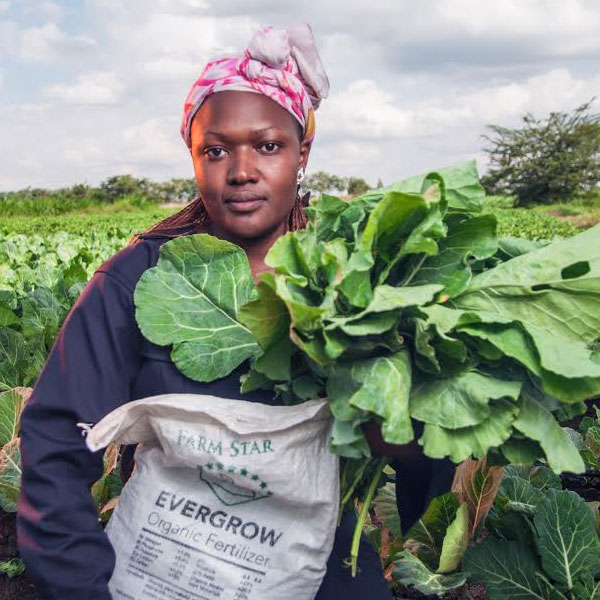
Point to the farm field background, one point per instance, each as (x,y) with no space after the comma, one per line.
(45,261)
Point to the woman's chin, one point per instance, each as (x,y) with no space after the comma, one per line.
(251,226)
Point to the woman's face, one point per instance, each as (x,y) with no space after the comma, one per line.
(246,151)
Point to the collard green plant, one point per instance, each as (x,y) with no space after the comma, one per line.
(11,406)
(558,559)
(40,279)
(540,542)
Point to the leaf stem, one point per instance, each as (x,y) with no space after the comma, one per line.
(363,514)
(350,490)
(414,271)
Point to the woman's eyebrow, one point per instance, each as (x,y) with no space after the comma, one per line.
(254,133)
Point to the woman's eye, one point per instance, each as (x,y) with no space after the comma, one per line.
(270,147)
(215,152)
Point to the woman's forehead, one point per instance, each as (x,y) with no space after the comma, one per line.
(231,111)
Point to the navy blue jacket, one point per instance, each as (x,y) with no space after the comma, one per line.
(100,361)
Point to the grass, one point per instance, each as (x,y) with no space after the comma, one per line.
(544,221)
(119,223)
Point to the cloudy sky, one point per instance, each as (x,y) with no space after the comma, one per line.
(92,88)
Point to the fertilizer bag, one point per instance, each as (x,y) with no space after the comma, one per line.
(229,499)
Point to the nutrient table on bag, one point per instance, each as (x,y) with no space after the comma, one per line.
(191,574)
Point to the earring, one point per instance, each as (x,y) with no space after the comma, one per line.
(300,176)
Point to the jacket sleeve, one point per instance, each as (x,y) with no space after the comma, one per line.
(88,373)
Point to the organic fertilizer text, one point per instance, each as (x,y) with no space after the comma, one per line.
(218,519)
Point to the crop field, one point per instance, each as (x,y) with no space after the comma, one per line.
(46,261)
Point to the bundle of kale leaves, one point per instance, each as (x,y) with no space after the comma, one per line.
(396,305)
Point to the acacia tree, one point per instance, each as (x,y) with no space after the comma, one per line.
(546,160)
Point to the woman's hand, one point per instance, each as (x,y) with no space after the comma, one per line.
(379,447)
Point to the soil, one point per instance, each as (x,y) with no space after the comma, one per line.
(17,588)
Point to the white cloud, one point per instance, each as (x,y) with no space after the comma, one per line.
(170,69)
(153,142)
(101,87)
(412,84)
(363,110)
(1,77)
(48,43)
(4,6)
(366,129)
(44,9)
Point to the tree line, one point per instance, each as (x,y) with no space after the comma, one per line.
(548,160)
(141,192)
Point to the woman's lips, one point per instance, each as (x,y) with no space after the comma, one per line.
(243,203)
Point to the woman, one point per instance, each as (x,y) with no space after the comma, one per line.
(249,123)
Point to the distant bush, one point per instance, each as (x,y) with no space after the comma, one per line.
(119,189)
(322,182)
(546,160)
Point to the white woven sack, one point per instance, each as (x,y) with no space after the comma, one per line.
(229,500)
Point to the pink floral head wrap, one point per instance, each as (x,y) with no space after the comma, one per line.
(283,64)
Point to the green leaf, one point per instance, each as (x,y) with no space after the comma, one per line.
(266,315)
(509,570)
(566,540)
(13,358)
(42,313)
(475,440)
(383,311)
(519,495)
(305,314)
(391,221)
(522,451)
(509,247)
(537,291)
(459,401)
(287,256)
(387,297)
(7,317)
(12,567)
(10,475)
(470,239)
(254,381)
(463,191)
(386,509)
(410,571)
(191,299)
(426,537)
(537,423)
(384,392)
(586,588)
(368,325)
(455,541)
(11,406)
(540,477)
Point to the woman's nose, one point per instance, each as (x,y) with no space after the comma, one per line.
(242,168)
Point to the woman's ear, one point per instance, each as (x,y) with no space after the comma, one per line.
(305,146)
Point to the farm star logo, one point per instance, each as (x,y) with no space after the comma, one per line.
(233,485)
